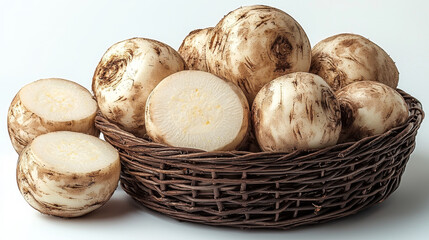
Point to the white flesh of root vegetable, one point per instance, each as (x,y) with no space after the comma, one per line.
(49,105)
(369,108)
(297,111)
(346,58)
(255,44)
(126,75)
(197,109)
(193,49)
(68,174)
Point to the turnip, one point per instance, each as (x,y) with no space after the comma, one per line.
(346,58)
(369,108)
(197,109)
(253,45)
(67,174)
(126,75)
(193,49)
(298,111)
(49,105)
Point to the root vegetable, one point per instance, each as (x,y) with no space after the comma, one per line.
(369,108)
(197,109)
(126,75)
(67,174)
(346,58)
(49,105)
(193,49)
(255,44)
(297,111)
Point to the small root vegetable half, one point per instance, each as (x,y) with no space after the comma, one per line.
(369,108)
(49,105)
(68,174)
(298,111)
(346,58)
(193,49)
(125,76)
(253,45)
(199,110)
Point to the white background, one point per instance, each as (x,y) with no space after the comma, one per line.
(40,39)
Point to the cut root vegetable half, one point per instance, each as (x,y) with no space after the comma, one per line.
(199,110)
(49,105)
(67,174)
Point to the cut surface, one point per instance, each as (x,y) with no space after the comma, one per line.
(198,110)
(58,100)
(73,152)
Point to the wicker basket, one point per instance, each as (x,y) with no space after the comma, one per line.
(265,189)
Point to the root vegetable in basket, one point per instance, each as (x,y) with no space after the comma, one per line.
(369,108)
(68,174)
(255,44)
(49,105)
(193,49)
(197,109)
(298,111)
(346,58)
(126,75)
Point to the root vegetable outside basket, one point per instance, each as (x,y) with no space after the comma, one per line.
(346,58)
(67,174)
(369,108)
(48,105)
(196,109)
(125,76)
(253,45)
(298,111)
(193,49)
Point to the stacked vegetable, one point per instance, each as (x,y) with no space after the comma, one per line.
(252,82)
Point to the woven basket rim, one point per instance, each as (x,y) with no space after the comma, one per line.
(345,149)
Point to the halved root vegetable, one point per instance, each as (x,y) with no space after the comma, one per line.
(197,109)
(369,108)
(297,111)
(68,174)
(253,45)
(193,49)
(346,58)
(49,105)
(125,76)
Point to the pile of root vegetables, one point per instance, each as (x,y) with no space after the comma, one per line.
(252,82)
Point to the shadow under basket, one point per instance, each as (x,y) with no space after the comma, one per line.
(265,189)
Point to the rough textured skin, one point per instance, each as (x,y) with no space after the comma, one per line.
(23,125)
(369,108)
(346,58)
(298,111)
(193,49)
(125,76)
(256,44)
(64,194)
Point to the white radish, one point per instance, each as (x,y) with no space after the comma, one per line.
(297,111)
(346,58)
(197,109)
(68,174)
(253,45)
(125,76)
(193,49)
(49,105)
(369,108)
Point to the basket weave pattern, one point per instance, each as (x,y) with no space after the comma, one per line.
(265,189)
